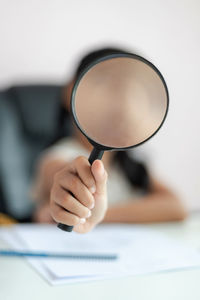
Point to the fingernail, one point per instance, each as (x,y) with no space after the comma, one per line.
(89,214)
(82,221)
(92,206)
(93,189)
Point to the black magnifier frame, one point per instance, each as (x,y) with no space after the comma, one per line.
(97,61)
(99,149)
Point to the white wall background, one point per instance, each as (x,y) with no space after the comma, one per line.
(41,39)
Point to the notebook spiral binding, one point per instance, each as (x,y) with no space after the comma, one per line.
(79,256)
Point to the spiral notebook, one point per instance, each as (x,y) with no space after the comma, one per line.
(139,250)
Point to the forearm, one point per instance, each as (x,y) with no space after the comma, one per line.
(152,208)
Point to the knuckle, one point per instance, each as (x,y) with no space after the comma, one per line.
(65,200)
(57,175)
(74,182)
(79,160)
(61,175)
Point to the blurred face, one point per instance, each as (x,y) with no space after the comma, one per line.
(120,102)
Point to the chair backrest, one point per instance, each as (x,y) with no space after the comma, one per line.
(30,120)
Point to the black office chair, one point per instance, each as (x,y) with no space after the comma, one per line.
(31,119)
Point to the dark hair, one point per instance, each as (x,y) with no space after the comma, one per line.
(96,54)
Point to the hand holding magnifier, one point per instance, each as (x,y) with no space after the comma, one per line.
(118,102)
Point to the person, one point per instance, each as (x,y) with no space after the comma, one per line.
(119,188)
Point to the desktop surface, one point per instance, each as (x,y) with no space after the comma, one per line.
(19,281)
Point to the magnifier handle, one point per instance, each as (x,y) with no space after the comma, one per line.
(95,154)
(64,227)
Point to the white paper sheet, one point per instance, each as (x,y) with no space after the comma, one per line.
(140,250)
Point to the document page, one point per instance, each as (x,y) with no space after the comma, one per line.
(139,250)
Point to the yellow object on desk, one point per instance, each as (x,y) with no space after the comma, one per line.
(6,220)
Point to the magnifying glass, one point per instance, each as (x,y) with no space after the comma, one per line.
(118,102)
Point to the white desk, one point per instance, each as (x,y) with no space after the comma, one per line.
(19,281)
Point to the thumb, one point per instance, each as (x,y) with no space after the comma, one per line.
(100,176)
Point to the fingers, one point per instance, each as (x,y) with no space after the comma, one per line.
(66,209)
(70,200)
(73,184)
(74,192)
(62,216)
(65,200)
(100,176)
(83,168)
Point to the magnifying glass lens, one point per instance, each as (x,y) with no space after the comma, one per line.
(120,102)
